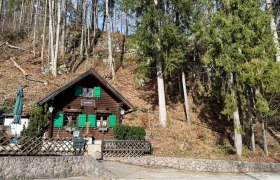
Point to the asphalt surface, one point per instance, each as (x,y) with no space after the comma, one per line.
(125,172)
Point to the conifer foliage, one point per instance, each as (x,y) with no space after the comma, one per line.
(240,48)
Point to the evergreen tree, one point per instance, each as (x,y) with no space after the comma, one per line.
(163,35)
(240,46)
(38,122)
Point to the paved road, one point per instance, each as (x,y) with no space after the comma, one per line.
(125,172)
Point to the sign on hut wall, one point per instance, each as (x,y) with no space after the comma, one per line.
(87,102)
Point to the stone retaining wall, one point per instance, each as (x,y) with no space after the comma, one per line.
(31,167)
(200,164)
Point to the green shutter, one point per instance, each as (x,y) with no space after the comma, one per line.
(82,121)
(58,120)
(92,120)
(97,92)
(112,121)
(78,90)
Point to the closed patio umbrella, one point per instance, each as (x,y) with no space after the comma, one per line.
(17,112)
(18,107)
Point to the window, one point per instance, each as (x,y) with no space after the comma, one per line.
(88,92)
(66,120)
(105,123)
(101,120)
(70,120)
(85,92)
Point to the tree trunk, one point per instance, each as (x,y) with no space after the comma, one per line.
(250,116)
(252,131)
(31,16)
(15,47)
(51,49)
(160,82)
(63,27)
(115,20)
(2,15)
(110,56)
(1,8)
(237,133)
(21,13)
(14,19)
(236,121)
(126,24)
(104,19)
(83,29)
(94,22)
(19,68)
(57,38)
(161,95)
(34,30)
(264,136)
(93,14)
(97,12)
(187,110)
(43,37)
(274,31)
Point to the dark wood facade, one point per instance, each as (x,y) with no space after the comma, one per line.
(105,108)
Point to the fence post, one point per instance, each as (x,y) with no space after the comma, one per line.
(102,148)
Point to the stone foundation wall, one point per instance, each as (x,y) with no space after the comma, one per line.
(31,167)
(200,164)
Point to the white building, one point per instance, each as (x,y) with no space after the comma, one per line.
(16,128)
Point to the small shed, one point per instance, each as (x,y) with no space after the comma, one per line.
(88,104)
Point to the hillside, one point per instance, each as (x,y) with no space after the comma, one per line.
(203,138)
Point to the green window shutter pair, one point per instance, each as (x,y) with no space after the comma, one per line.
(92,120)
(97,92)
(58,120)
(112,121)
(82,121)
(78,90)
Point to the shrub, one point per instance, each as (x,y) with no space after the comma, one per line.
(125,132)
(121,131)
(38,122)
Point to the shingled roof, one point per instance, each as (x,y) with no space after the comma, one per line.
(82,76)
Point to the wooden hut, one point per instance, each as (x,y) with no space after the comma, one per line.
(88,103)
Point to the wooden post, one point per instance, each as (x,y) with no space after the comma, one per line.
(50,130)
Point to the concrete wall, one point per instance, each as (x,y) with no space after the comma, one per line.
(31,167)
(200,164)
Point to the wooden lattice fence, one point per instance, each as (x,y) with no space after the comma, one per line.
(32,146)
(127,148)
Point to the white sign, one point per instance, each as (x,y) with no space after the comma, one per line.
(76,133)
